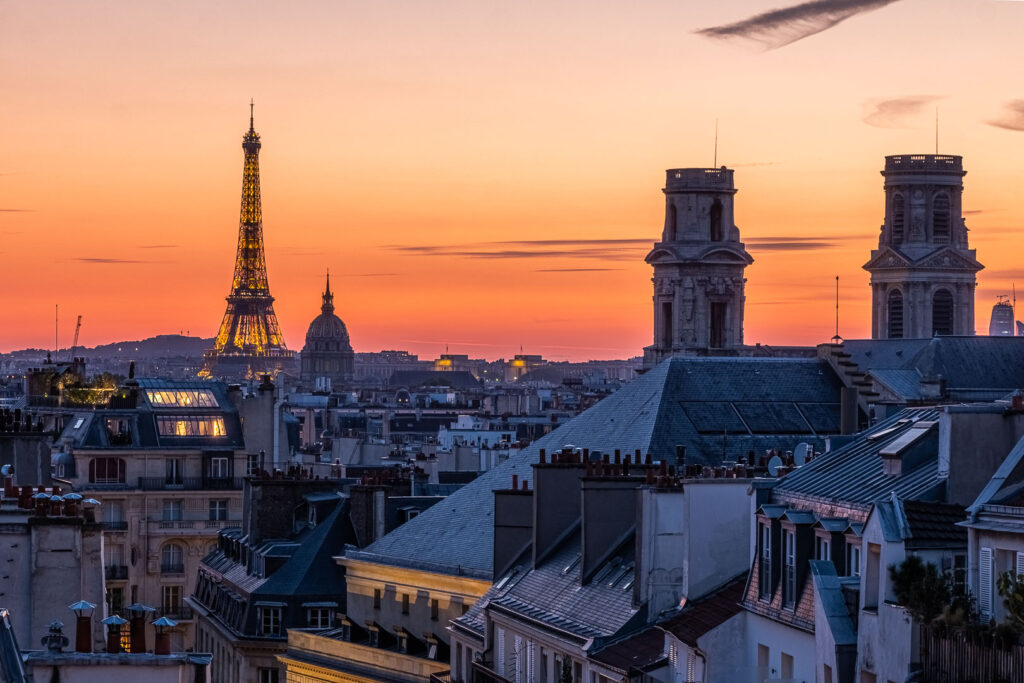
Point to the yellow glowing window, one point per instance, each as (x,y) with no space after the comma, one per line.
(190,426)
(186,398)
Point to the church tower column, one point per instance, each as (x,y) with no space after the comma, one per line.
(923,250)
(698,265)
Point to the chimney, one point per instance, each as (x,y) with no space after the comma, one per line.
(83,625)
(113,624)
(513,527)
(556,503)
(848,399)
(163,637)
(608,514)
(137,626)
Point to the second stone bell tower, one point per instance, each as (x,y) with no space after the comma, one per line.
(698,267)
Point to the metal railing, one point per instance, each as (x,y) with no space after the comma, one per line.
(181,524)
(190,484)
(176,612)
(115,526)
(116,572)
(172,568)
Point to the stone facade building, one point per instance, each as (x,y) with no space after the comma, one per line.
(327,357)
(923,272)
(698,267)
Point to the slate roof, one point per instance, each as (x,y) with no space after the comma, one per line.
(552,594)
(829,591)
(92,432)
(640,652)
(854,474)
(974,367)
(922,525)
(646,414)
(311,569)
(708,612)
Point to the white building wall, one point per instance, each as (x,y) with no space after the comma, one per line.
(778,641)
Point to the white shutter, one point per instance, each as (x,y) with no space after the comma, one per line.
(499,635)
(985,581)
(518,659)
(529,661)
(691,666)
(1020,564)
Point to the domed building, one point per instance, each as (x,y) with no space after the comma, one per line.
(327,354)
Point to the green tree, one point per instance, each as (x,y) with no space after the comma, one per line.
(1011,589)
(565,674)
(920,588)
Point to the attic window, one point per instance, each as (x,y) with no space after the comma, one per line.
(79,422)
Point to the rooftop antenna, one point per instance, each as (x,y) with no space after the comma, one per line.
(252,105)
(837,339)
(716,144)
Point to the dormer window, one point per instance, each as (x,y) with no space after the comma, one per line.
(765,563)
(789,568)
(822,548)
(853,558)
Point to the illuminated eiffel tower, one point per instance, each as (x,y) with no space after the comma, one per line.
(249,342)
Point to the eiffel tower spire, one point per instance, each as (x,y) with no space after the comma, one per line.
(249,336)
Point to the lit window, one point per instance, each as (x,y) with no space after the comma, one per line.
(186,398)
(190,426)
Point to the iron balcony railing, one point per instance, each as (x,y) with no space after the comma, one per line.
(190,483)
(179,524)
(116,572)
(172,568)
(176,612)
(115,526)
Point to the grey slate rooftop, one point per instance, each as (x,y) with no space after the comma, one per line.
(854,474)
(976,368)
(666,406)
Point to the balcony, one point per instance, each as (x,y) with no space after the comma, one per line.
(441,677)
(116,572)
(190,484)
(176,612)
(191,527)
(172,568)
(115,526)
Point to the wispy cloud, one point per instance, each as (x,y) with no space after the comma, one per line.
(16,210)
(611,249)
(801,243)
(779,27)
(109,260)
(1012,117)
(896,112)
(366,275)
(576,270)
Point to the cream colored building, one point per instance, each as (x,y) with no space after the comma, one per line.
(166,461)
(394,627)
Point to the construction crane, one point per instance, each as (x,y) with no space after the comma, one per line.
(74,344)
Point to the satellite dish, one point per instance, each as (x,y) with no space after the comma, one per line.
(800,454)
(774,464)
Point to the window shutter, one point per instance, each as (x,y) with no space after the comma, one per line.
(985,581)
(529,661)
(1020,563)
(518,655)
(691,666)
(499,635)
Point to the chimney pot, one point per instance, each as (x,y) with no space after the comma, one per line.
(543,457)
(515,481)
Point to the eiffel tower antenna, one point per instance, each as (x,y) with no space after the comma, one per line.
(249,335)
(715,165)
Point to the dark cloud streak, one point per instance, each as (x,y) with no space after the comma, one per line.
(780,27)
(1012,118)
(896,112)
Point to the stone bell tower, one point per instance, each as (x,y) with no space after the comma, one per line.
(923,272)
(698,267)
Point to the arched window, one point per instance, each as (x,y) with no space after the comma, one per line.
(172,559)
(898,218)
(895,314)
(942,312)
(716,221)
(940,218)
(670,228)
(106,471)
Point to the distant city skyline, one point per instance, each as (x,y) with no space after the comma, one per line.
(480,177)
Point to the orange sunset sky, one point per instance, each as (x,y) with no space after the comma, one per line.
(477,174)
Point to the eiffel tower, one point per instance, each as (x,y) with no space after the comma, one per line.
(249,342)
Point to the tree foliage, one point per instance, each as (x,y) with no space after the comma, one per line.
(1011,588)
(921,588)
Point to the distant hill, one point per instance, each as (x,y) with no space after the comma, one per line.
(160,346)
